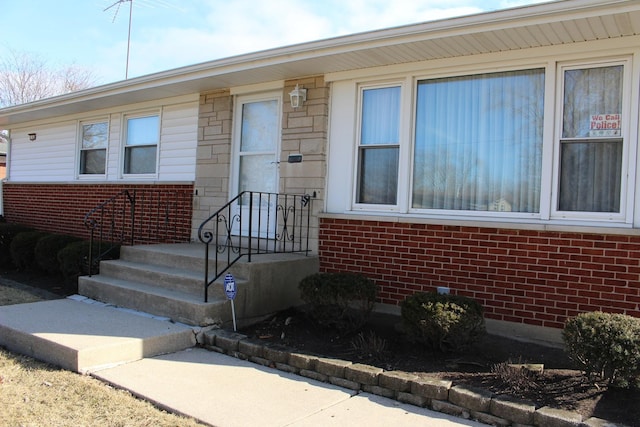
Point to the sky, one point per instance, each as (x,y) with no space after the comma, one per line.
(167,34)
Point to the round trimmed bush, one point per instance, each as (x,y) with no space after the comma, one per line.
(442,321)
(605,346)
(46,251)
(22,248)
(74,259)
(8,232)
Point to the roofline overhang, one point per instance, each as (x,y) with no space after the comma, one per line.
(214,75)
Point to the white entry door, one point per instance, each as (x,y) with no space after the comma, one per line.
(257,142)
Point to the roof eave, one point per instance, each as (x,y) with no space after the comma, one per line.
(215,74)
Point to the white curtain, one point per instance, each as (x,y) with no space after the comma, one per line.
(478,142)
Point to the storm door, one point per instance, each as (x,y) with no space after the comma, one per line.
(257,153)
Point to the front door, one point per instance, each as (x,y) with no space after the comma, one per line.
(257,142)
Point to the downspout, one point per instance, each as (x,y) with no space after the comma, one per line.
(6,176)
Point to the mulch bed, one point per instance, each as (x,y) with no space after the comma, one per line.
(380,344)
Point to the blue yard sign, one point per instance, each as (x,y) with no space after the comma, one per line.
(230,286)
(230,289)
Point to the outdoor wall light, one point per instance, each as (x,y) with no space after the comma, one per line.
(298,96)
(32,137)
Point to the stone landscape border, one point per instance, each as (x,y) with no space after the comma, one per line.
(423,391)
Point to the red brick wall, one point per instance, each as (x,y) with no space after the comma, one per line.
(163,212)
(534,277)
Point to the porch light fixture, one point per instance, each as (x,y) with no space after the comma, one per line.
(32,137)
(298,96)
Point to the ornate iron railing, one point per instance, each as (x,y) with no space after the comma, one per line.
(254,223)
(137,216)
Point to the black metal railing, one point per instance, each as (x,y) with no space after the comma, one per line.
(254,223)
(137,216)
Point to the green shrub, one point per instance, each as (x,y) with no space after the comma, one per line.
(7,232)
(339,300)
(444,322)
(46,251)
(22,248)
(74,259)
(605,346)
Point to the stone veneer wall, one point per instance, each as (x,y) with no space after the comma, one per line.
(304,131)
(213,156)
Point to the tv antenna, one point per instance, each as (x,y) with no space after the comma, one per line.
(117,5)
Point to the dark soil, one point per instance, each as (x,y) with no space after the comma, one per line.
(483,365)
(55,284)
(381,344)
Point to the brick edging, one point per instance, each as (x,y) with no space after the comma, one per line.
(423,391)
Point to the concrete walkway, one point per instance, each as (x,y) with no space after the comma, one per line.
(81,336)
(155,360)
(224,391)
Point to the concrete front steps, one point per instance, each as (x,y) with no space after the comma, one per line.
(149,302)
(168,280)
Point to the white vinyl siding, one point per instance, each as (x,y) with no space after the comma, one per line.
(54,155)
(177,156)
(113,154)
(51,157)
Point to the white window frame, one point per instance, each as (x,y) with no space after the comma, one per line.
(81,124)
(471,214)
(125,123)
(403,147)
(552,127)
(626,186)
